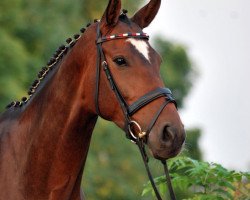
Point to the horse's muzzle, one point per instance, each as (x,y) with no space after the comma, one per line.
(167,143)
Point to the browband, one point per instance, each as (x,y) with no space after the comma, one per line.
(122,36)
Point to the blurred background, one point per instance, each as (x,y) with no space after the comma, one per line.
(205,47)
(216,34)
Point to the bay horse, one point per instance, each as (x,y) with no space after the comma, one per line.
(110,70)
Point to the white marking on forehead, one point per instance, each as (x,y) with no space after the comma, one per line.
(141,46)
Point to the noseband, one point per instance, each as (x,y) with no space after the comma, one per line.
(139,137)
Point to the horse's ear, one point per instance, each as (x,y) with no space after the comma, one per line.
(112,13)
(146,15)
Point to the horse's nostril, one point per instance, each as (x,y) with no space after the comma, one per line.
(167,134)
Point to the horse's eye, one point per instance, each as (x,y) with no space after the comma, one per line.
(120,61)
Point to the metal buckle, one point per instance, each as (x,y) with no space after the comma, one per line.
(104,63)
(141,134)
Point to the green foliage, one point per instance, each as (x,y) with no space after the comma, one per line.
(206,181)
(11,67)
(177,70)
(192,148)
(30,31)
(92,9)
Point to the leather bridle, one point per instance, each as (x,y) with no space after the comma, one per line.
(139,138)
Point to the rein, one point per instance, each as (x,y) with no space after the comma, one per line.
(139,138)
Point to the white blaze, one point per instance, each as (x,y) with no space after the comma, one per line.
(141,46)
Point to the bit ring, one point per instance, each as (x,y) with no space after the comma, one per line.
(141,134)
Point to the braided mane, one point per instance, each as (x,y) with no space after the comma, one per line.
(51,64)
(54,60)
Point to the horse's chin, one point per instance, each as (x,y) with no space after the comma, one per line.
(164,154)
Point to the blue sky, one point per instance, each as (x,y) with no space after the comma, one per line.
(217,35)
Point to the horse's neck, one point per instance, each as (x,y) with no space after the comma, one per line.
(53,132)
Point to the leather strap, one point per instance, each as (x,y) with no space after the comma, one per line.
(145,161)
(168,179)
(149,97)
(98,58)
(153,121)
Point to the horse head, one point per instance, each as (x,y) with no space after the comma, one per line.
(126,85)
